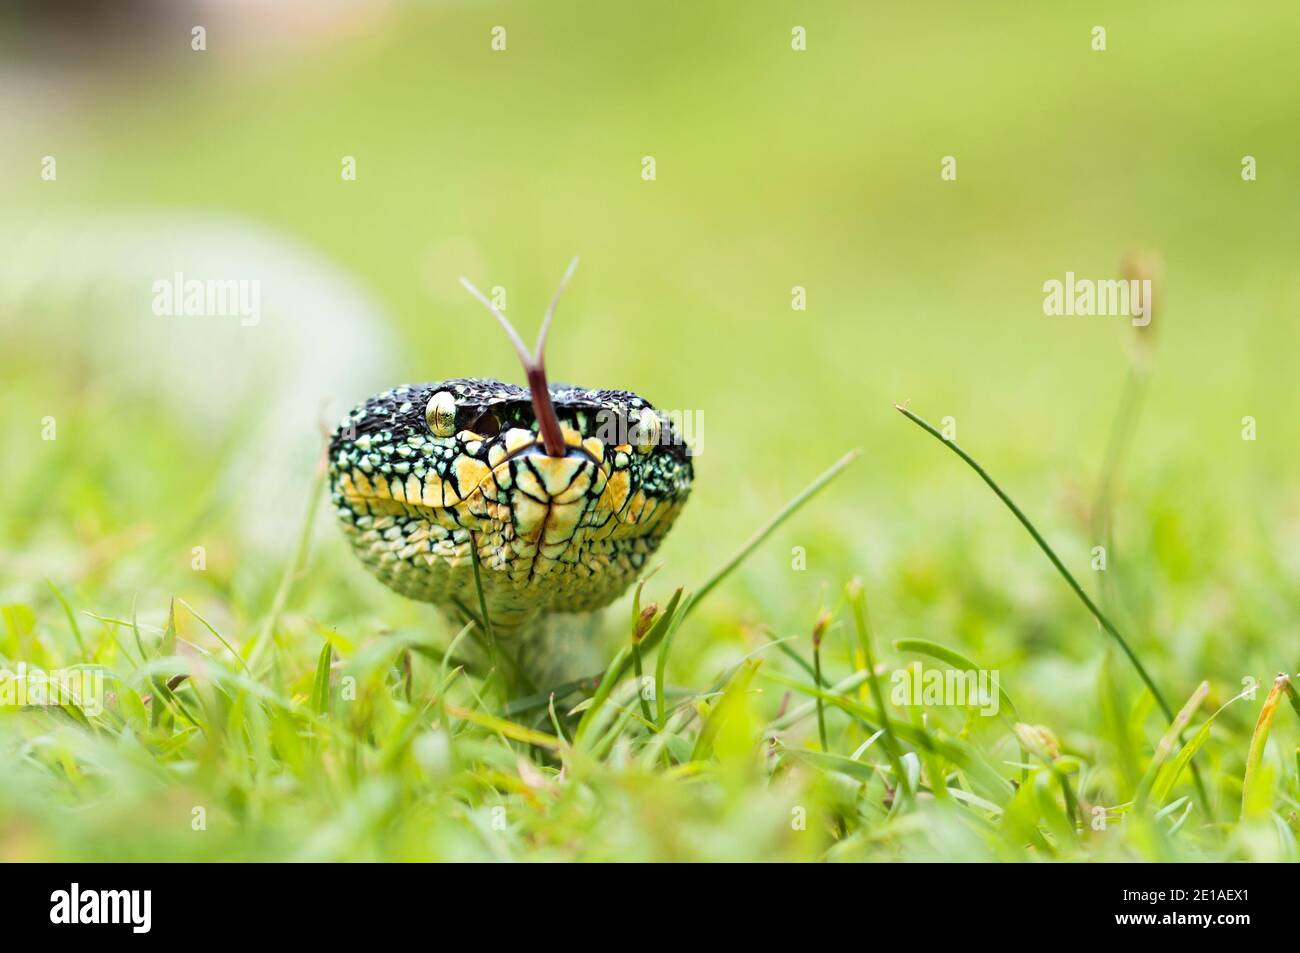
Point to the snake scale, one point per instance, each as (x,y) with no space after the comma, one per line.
(559,494)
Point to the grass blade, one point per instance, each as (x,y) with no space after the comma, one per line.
(1170,738)
(511,730)
(858,770)
(732,696)
(72,618)
(1251,783)
(320,696)
(858,601)
(670,621)
(1101,618)
(1169,773)
(766,530)
(291,572)
(923,646)
(950,657)
(1051,555)
(218,636)
(612,675)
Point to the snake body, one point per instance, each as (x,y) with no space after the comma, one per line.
(426,477)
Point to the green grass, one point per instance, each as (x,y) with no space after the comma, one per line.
(390,752)
(309,713)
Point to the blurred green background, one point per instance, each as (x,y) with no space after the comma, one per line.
(775,168)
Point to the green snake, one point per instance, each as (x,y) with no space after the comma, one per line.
(546,501)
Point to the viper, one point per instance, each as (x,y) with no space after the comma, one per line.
(523,510)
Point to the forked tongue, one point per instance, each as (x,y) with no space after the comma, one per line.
(548,424)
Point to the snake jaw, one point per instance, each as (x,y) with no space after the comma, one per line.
(574,446)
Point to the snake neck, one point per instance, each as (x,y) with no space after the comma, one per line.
(551,650)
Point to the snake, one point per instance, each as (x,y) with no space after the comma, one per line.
(522,510)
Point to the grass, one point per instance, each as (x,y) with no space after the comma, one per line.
(381,749)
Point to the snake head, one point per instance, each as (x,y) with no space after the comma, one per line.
(422,473)
(552,497)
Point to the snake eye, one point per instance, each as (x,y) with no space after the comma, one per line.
(647,431)
(440,414)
